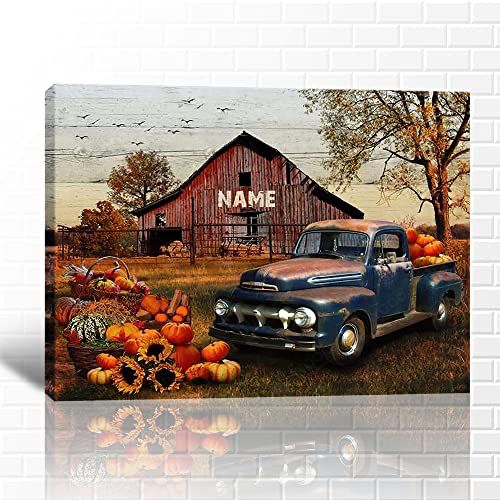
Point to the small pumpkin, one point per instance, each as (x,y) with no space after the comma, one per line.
(411,235)
(185,356)
(131,346)
(216,444)
(106,361)
(416,251)
(65,309)
(177,318)
(98,424)
(122,332)
(164,303)
(216,351)
(177,334)
(149,334)
(151,304)
(224,372)
(424,239)
(433,249)
(198,373)
(182,311)
(161,318)
(98,376)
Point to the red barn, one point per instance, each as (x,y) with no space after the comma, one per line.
(246,193)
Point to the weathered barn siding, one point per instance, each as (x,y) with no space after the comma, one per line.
(299,199)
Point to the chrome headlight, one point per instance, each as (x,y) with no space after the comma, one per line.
(221,307)
(304,317)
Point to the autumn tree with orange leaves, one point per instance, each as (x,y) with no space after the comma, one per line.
(422,137)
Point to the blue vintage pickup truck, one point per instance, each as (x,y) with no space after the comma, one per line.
(348,281)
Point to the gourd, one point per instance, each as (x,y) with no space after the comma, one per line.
(106,361)
(186,356)
(177,334)
(98,376)
(122,332)
(198,373)
(216,351)
(224,372)
(89,327)
(65,309)
(152,304)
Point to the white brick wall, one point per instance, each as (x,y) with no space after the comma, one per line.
(451,44)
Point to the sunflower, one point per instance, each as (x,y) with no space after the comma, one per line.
(165,421)
(128,375)
(128,423)
(165,377)
(154,350)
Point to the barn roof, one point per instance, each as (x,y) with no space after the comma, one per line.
(268,152)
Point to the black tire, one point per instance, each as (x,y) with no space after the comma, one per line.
(439,320)
(345,351)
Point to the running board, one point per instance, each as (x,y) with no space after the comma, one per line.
(410,319)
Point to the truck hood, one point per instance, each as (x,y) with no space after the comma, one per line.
(305,272)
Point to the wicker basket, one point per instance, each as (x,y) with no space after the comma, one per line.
(86,292)
(83,356)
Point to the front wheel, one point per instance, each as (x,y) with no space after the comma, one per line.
(349,343)
(440,318)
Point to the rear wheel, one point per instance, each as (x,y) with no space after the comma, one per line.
(440,318)
(349,343)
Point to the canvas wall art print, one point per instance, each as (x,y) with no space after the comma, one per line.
(207,242)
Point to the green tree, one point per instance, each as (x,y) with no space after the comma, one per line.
(422,137)
(104,230)
(143,178)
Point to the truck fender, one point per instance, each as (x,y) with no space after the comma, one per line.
(361,302)
(432,287)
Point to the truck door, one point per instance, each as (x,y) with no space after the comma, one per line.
(392,272)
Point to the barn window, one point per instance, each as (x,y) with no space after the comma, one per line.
(245,179)
(252,228)
(160,219)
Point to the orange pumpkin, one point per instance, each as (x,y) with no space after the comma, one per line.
(122,332)
(416,251)
(186,356)
(424,239)
(182,311)
(177,318)
(131,346)
(177,334)
(151,304)
(224,372)
(198,373)
(161,318)
(412,235)
(149,335)
(106,361)
(216,351)
(433,249)
(65,309)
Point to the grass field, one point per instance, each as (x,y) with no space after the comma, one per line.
(415,360)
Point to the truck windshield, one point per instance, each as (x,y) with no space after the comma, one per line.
(340,244)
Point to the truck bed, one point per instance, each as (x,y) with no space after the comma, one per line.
(445,266)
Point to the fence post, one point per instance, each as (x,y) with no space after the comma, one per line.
(62,242)
(193,233)
(270,243)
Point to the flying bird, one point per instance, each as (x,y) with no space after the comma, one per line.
(200,105)
(138,123)
(119,124)
(137,143)
(187,122)
(94,122)
(223,110)
(82,137)
(149,129)
(188,101)
(173,131)
(83,116)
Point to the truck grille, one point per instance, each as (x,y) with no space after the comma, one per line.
(262,315)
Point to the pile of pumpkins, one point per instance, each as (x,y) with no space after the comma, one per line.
(425,250)
(209,364)
(154,308)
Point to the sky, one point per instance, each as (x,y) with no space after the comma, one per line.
(109,119)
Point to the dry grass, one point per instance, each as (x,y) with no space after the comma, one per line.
(414,360)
